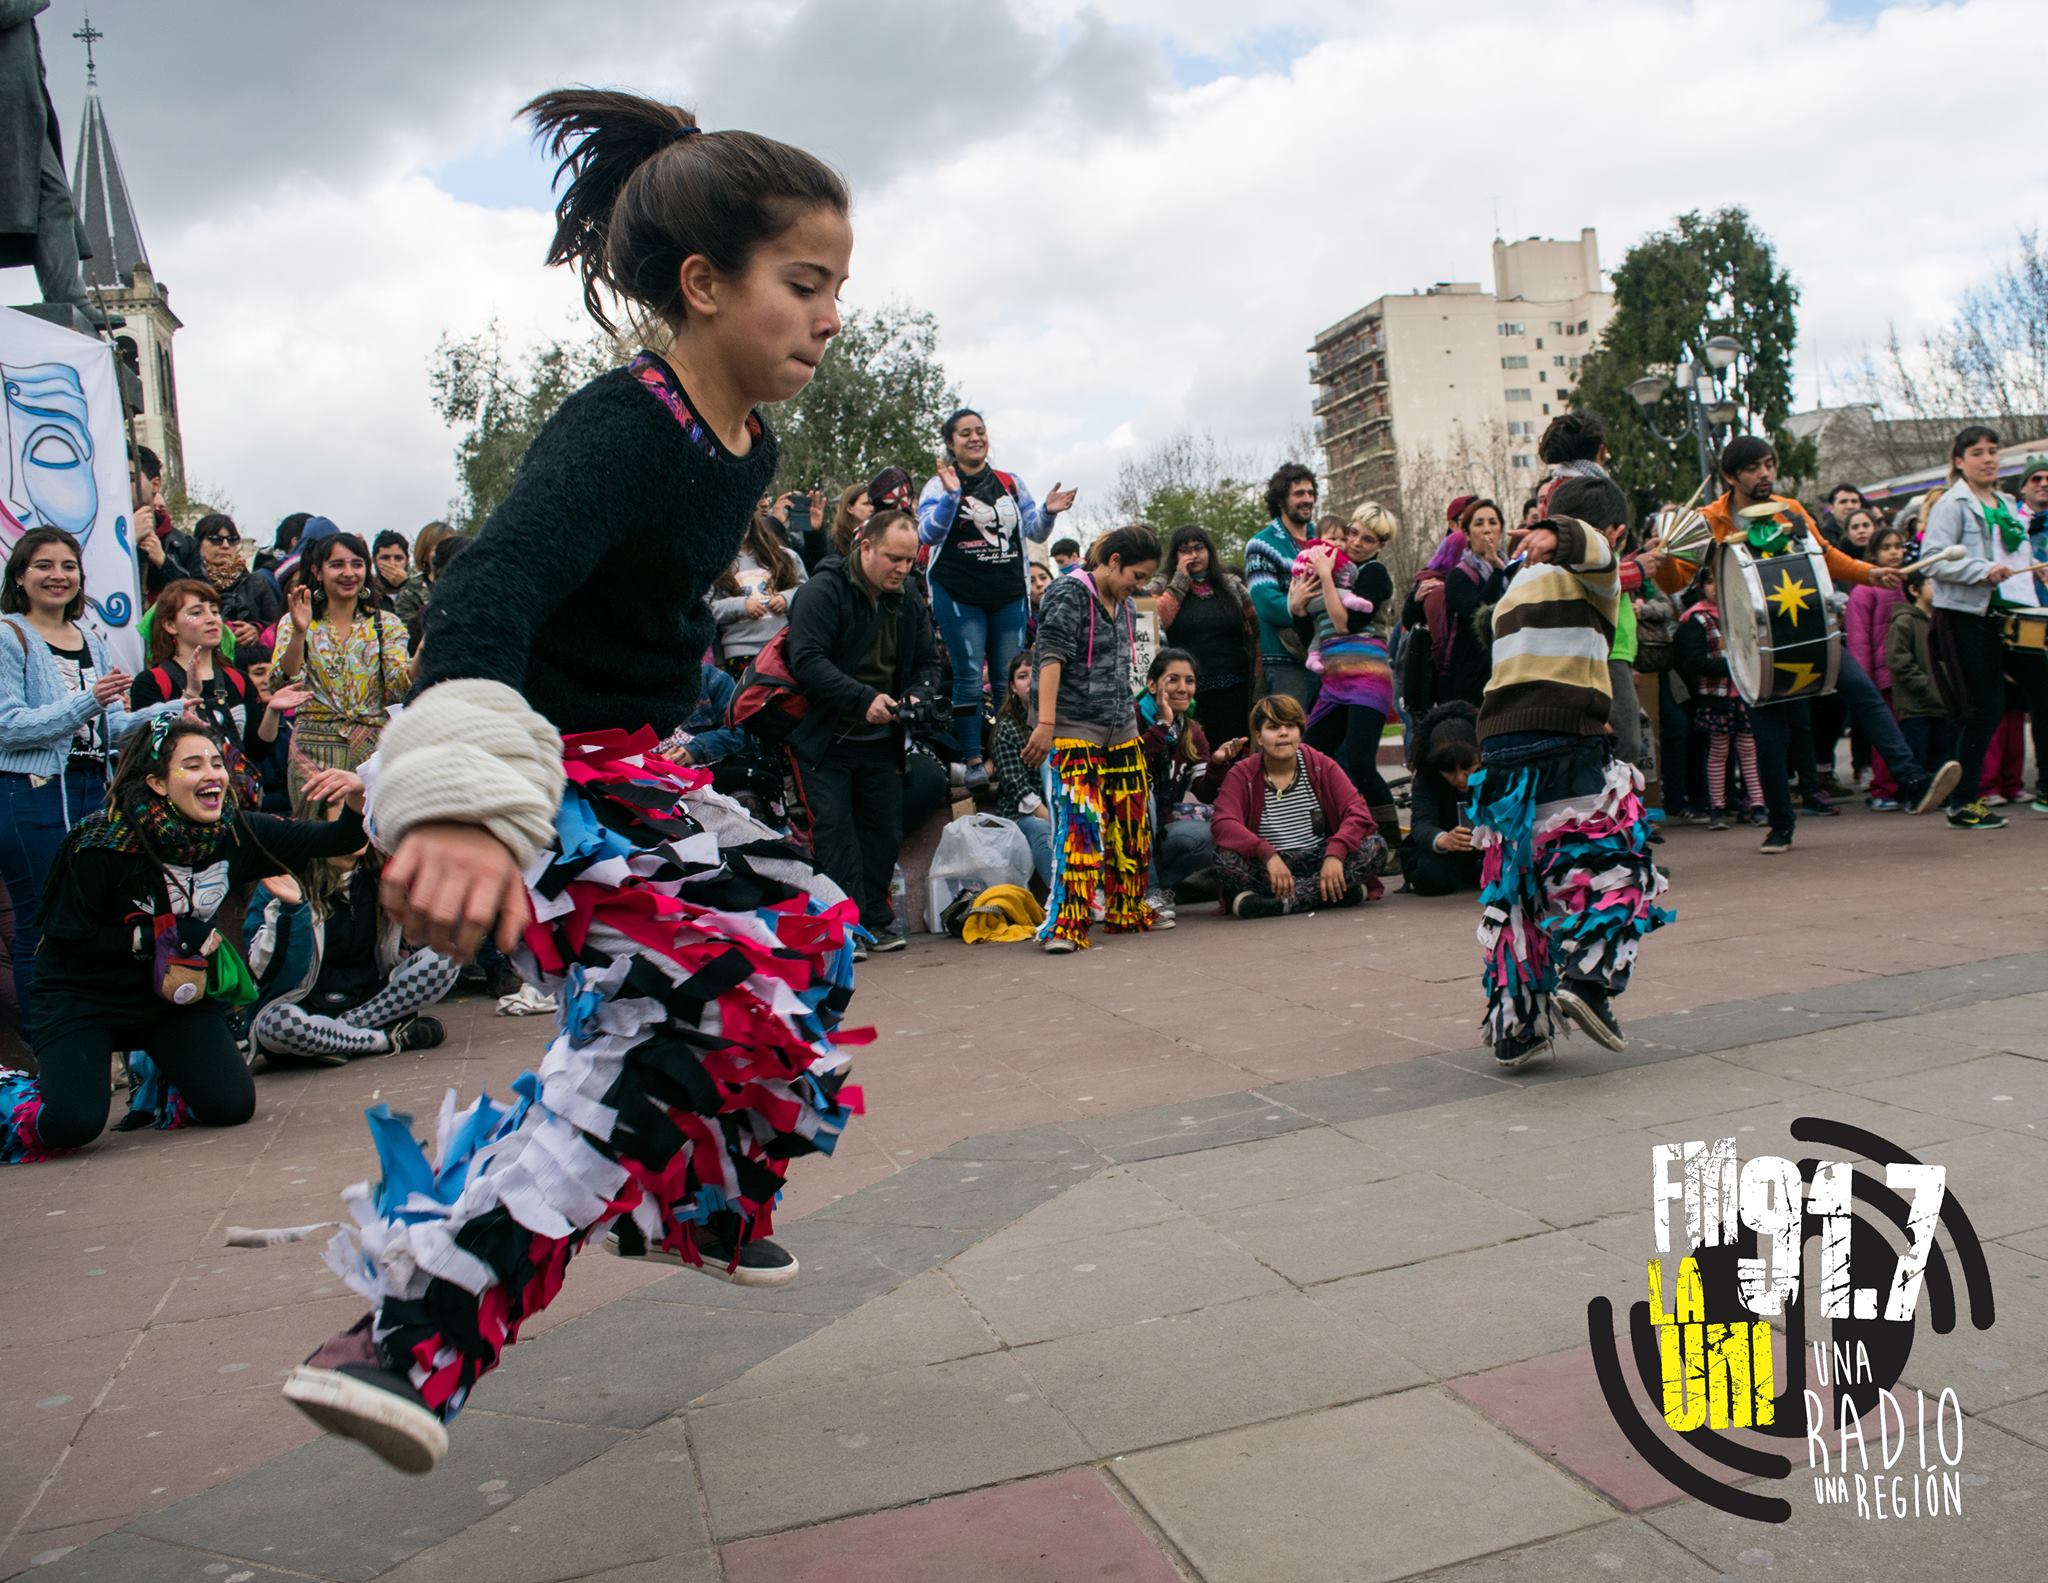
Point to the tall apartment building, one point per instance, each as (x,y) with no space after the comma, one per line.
(1467,376)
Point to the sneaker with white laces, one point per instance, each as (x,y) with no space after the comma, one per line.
(1161,902)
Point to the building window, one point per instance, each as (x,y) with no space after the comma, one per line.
(1514,362)
(1511,327)
(1522,461)
(1582,326)
(1520,395)
(1546,409)
(1556,328)
(1557,360)
(1539,343)
(1542,376)
(1575,362)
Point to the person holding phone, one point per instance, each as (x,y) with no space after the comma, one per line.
(976,519)
(1437,855)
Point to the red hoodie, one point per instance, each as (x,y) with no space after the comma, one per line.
(1242,801)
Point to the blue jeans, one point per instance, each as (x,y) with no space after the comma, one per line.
(1038,832)
(975,637)
(1181,848)
(32,828)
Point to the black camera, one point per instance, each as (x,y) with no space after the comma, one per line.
(925,717)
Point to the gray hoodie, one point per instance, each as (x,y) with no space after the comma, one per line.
(1094,646)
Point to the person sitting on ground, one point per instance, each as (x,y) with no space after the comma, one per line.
(334,980)
(249,602)
(1185,773)
(751,601)
(130,955)
(1017,786)
(1437,855)
(1291,830)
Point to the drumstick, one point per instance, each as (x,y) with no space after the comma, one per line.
(1954,552)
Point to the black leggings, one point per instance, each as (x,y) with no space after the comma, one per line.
(75,1051)
(1351,735)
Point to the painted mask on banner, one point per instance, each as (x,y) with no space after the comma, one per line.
(49,453)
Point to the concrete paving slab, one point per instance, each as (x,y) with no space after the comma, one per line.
(1626,1548)
(1216,1368)
(696,1566)
(1370,1226)
(2000,1090)
(1049,1142)
(552,1533)
(634,1362)
(1377,1490)
(1470,1311)
(1766,1129)
(1268,1171)
(205,1357)
(2000,1178)
(134,1559)
(1694,1085)
(2027,1420)
(1505,1124)
(1176,1129)
(1066,1528)
(2002,1531)
(924,1321)
(1857,1053)
(1991,1368)
(1115,1199)
(779,1462)
(1381,1091)
(977,1195)
(332,1510)
(1565,1184)
(1035,1292)
(843,1264)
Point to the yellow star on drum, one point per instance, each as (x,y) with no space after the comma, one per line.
(1790,595)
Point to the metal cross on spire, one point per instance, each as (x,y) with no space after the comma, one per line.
(89,36)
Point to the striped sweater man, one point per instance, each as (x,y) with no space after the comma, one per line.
(1552,634)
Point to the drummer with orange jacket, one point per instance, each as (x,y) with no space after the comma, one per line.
(1750,469)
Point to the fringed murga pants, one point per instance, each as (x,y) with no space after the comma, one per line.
(1101,837)
(702,967)
(1567,887)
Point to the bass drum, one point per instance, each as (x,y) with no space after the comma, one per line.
(1782,638)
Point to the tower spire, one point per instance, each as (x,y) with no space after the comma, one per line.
(89,36)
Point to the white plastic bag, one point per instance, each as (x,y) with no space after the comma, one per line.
(975,853)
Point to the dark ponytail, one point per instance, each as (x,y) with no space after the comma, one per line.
(647,189)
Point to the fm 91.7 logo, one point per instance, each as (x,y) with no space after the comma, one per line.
(1707,1354)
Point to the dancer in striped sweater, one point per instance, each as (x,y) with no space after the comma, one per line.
(1567,887)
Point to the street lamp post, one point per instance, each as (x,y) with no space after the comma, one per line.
(1703,379)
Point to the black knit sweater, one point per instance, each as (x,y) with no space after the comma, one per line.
(585,590)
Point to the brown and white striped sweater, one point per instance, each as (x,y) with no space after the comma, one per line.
(1552,633)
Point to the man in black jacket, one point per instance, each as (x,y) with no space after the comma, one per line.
(860,647)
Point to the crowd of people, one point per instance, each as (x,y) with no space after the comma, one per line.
(663,732)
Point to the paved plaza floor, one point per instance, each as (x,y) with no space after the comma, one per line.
(1220,1254)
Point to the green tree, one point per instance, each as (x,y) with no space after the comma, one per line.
(876,401)
(1710,274)
(1191,477)
(498,401)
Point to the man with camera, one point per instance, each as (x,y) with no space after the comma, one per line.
(861,650)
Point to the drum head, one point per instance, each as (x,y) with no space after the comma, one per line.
(1742,597)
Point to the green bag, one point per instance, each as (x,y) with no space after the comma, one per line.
(228,978)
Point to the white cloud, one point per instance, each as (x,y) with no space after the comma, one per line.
(1123,258)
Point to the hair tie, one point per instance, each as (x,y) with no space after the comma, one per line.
(159,728)
(680,133)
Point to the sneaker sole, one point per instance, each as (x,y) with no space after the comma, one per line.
(404,1434)
(743,1276)
(1588,1024)
(1938,789)
(1547,1047)
(896,943)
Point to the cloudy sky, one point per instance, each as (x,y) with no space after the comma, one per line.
(1130,216)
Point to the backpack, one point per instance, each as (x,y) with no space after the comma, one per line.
(768,705)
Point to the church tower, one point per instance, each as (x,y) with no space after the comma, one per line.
(119,278)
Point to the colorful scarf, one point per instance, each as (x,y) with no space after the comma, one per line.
(169,835)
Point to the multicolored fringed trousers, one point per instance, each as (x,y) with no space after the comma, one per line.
(1566,885)
(702,967)
(1101,837)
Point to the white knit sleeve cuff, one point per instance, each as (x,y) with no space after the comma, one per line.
(470,751)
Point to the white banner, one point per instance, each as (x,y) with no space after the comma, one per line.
(64,464)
